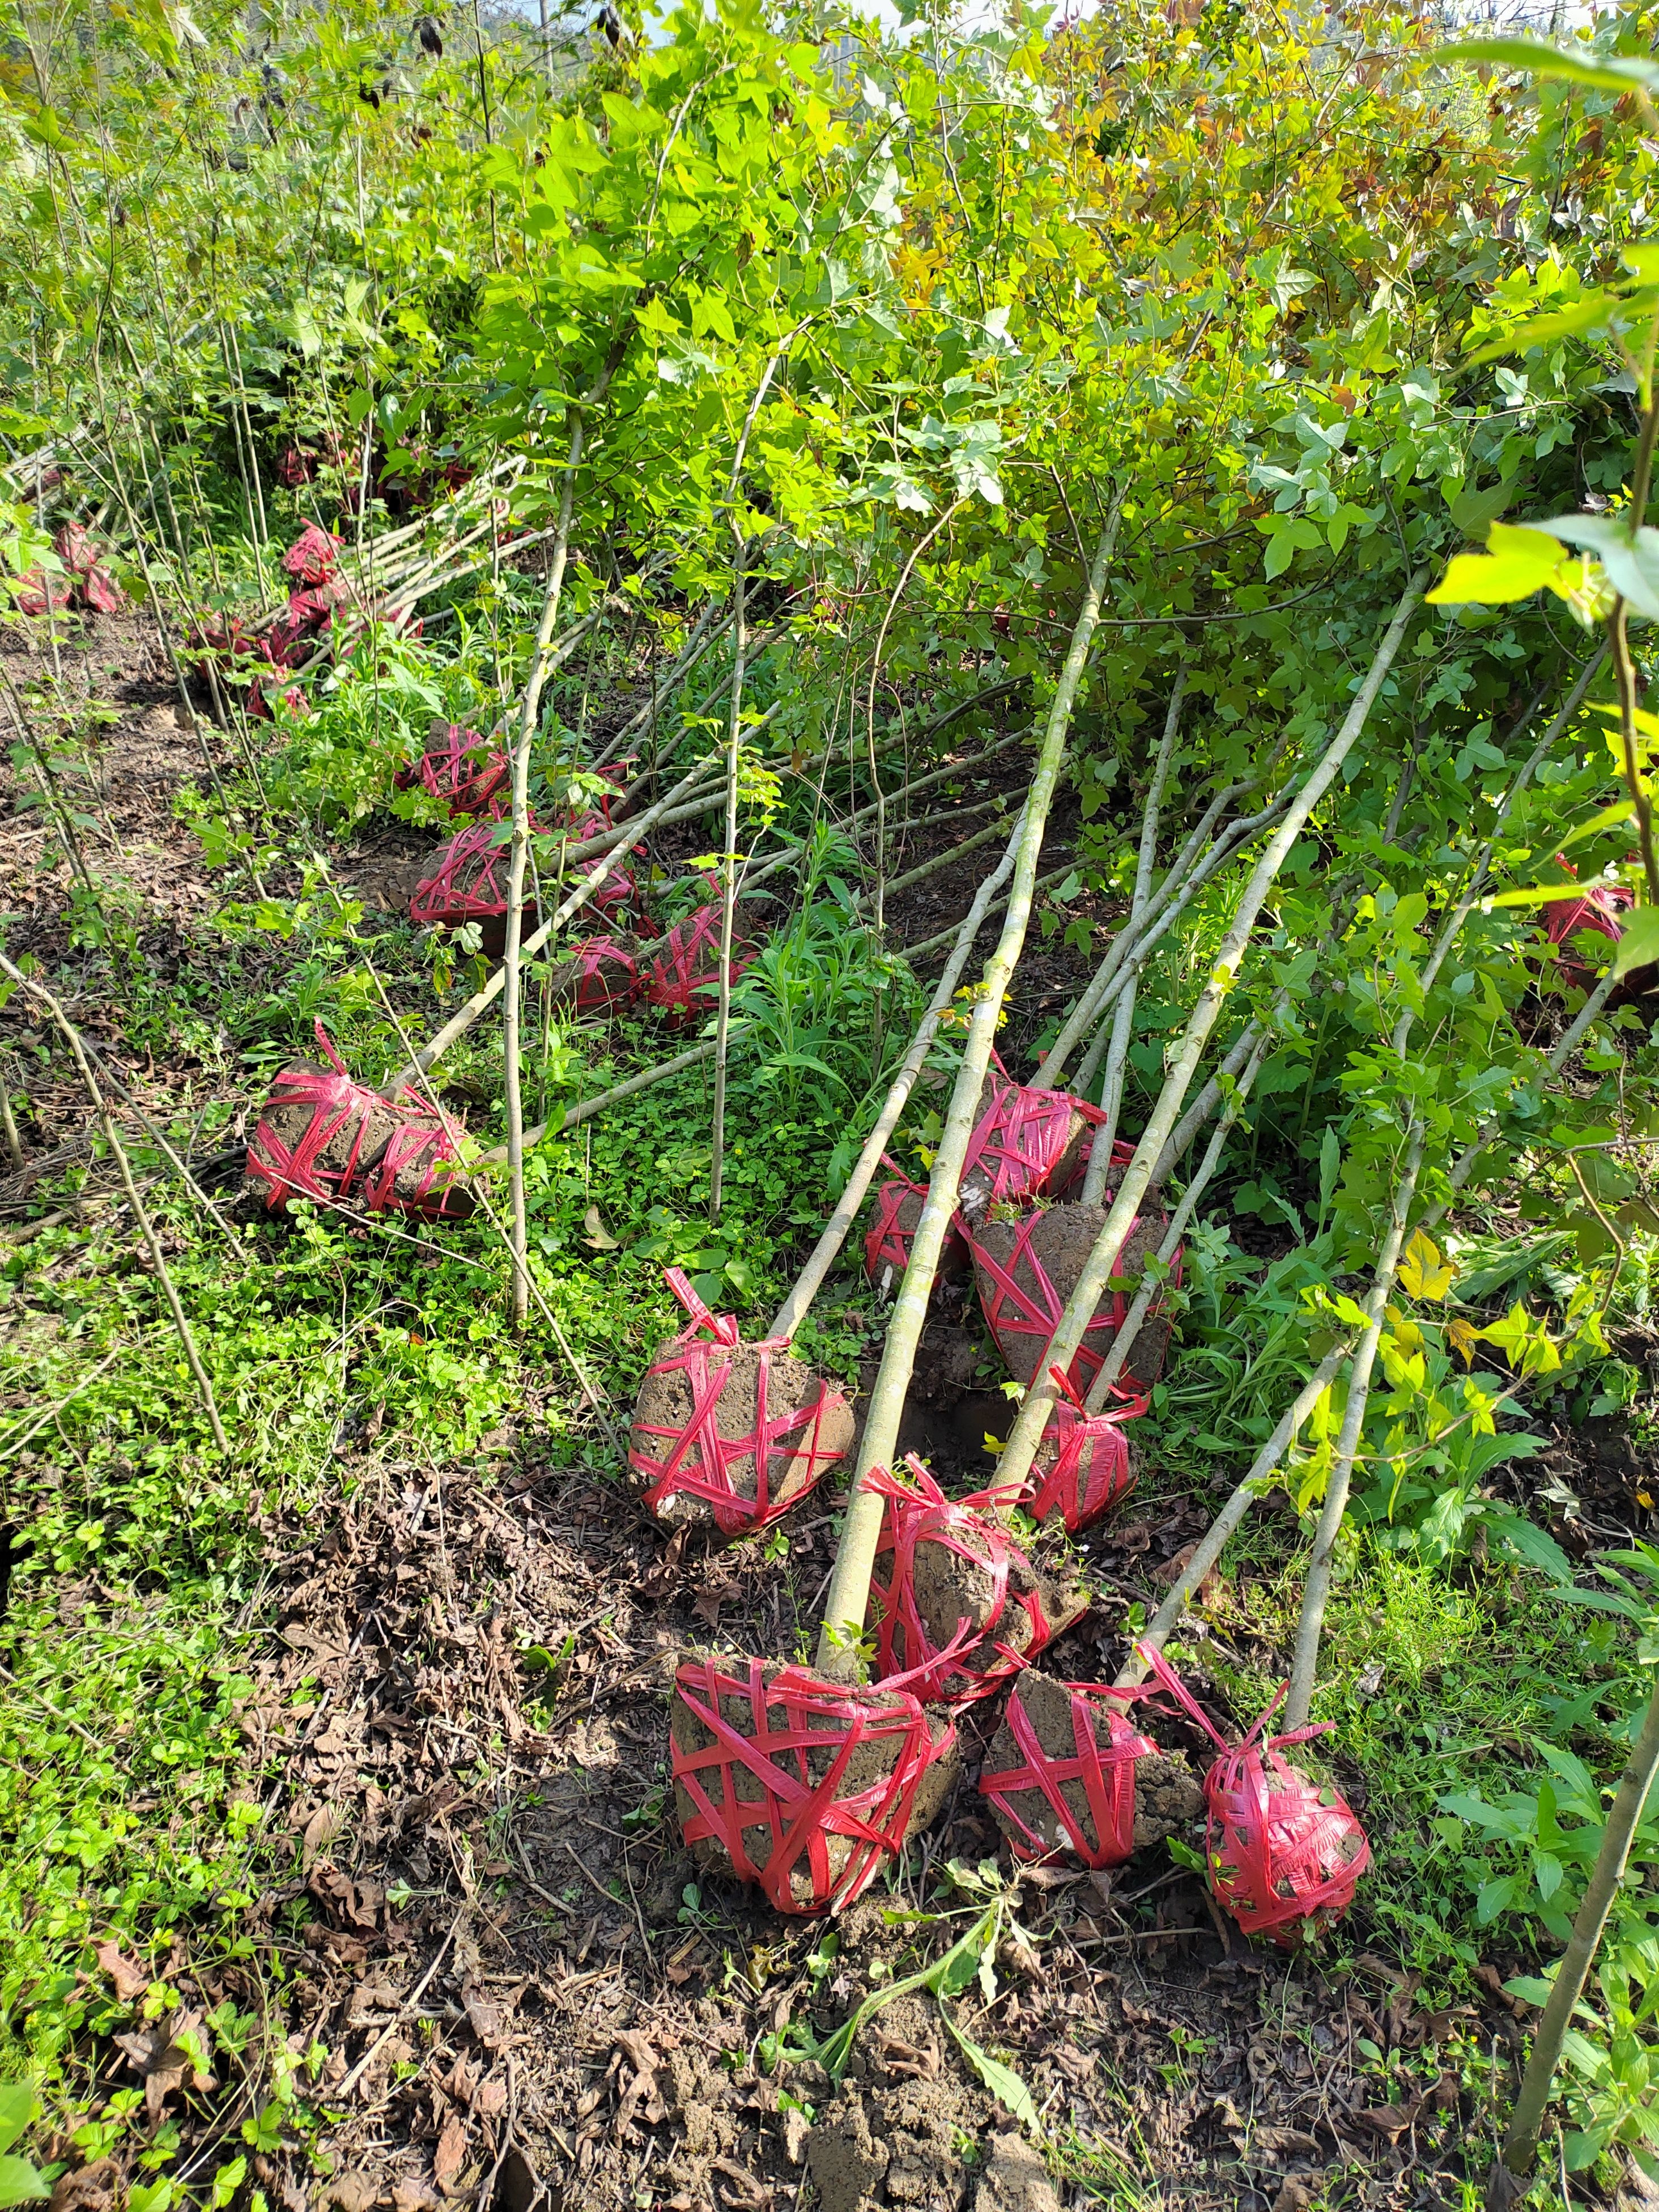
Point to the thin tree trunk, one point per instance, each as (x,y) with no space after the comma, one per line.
(850,1584)
(728,877)
(512,1008)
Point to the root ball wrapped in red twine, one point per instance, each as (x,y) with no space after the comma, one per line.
(807,1788)
(1284,1853)
(1028,1144)
(733,1432)
(620,889)
(322,1136)
(947,1561)
(468,772)
(1027,1268)
(1083,1467)
(685,976)
(467,882)
(599,974)
(892,1225)
(1598,908)
(314,556)
(1045,1783)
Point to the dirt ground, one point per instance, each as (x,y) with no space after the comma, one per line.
(528,1993)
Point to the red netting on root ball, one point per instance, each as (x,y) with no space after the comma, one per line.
(468,772)
(619,888)
(354,1146)
(1598,908)
(789,1449)
(601,972)
(1026,1139)
(813,1796)
(1104,1771)
(1082,1469)
(92,584)
(950,1672)
(1023,1305)
(685,976)
(1284,1853)
(314,556)
(887,1240)
(466,880)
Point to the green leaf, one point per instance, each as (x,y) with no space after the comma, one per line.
(1639,942)
(16,2108)
(1001,2080)
(1516,564)
(20,2183)
(1605,72)
(1473,511)
(1630,558)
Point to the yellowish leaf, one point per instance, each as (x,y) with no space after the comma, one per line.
(1423,1273)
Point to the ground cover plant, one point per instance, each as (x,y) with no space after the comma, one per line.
(956,701)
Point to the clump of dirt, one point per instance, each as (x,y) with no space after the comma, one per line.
(1027,1269)
(667,1404)
(951,1588)
(893,2134)
(352,1155)
(871,1761)
(1167,1794)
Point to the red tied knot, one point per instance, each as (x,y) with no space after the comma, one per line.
(1087,1790)
(1284,1853)
(808,1788)
(1083,1468)
(744,1430)
(320,1135)
(951,1661)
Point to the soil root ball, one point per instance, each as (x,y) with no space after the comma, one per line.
(322,1136)
(600,974)
(1026,1143)
(729,1433)
(1066,1775)
(892,1226)
(1086,1464)
(466,771)
(685,980)
(805,1787)
(1027,1268)
(1285,1851)
(466,882)
(962,1607)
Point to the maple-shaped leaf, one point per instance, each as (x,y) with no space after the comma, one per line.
(1423,1273)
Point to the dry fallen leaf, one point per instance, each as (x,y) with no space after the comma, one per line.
(450,2156)
(130,1981)
(490,2100)
(321,1830)
(595,1235)
(1390,2121)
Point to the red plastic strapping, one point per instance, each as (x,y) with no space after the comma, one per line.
(887,1242)
(798,1718)
(1020,1140)
(619,888)
(1598,908)
(699,1461)
(424,1137)
(1033,1309)
(601,973)
(469,772)
(686,974)
(1088,1473)
(918,1512)
(314,556)
(1284,1855)
(1106,1771)
(466,881)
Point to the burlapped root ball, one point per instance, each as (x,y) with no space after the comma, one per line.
(1067,1776)
(731,1434)
(957,1605)
(1283,1851)
(806,1787)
